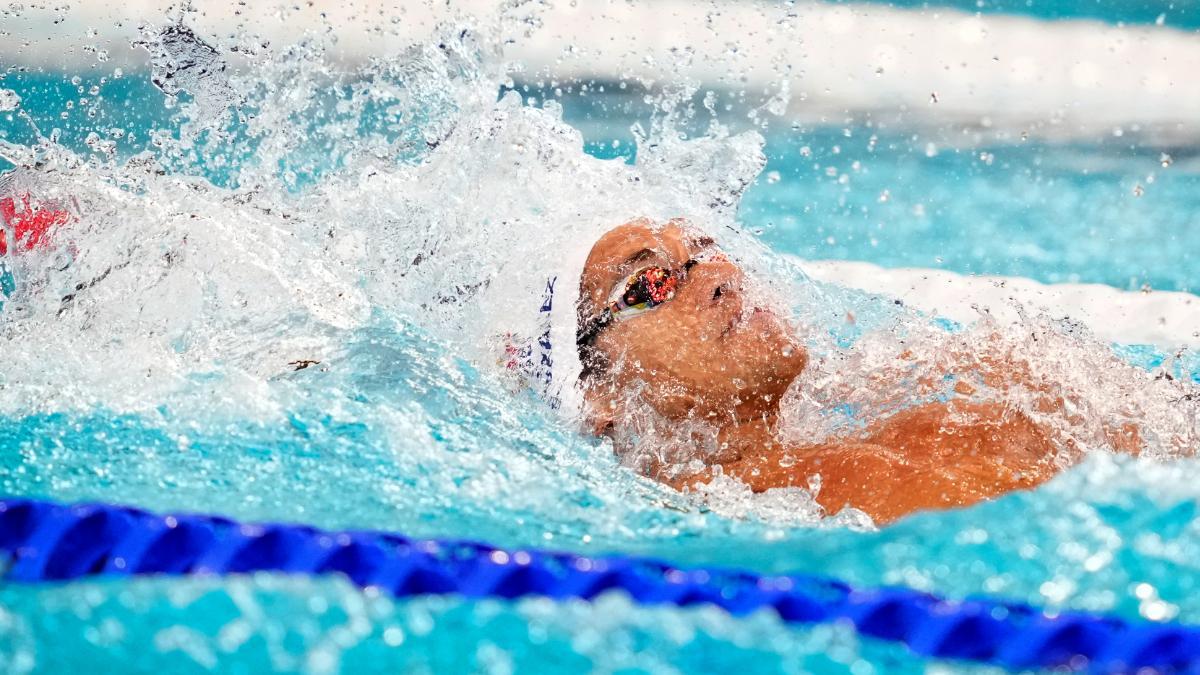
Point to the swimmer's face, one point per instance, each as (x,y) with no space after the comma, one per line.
(709,351)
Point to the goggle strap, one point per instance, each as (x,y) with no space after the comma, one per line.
(593,327)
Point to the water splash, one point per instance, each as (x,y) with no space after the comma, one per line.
(182,62)
(376,228)
(1055,372)
(9,100)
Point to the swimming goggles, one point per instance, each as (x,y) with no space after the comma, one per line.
(642,291)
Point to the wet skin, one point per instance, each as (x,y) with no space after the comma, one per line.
(710,355)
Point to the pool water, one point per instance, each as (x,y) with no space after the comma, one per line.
(1126,212)
(351,224)
(1180,14)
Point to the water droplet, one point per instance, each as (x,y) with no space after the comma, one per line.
(9,100)
(393,636)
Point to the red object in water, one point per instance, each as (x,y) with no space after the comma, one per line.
(29,222)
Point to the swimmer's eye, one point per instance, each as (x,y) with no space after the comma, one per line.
(645,289)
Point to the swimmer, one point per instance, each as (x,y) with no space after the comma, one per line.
(665,323)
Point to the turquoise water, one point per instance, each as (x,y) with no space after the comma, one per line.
(318,626)
(1179,13)
(1107,213)
(1114,535)
(1125,212)
(124,397)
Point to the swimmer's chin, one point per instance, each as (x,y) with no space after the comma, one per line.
(760,402)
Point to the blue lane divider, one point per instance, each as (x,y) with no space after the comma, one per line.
(43,541)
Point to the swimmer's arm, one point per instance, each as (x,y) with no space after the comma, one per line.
(864,476)
(934,456)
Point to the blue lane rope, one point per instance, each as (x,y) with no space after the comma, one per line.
(43,541)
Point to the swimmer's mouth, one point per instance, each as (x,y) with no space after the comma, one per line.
(742,318)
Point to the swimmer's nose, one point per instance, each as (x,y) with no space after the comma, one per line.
(727,292)
(716,279)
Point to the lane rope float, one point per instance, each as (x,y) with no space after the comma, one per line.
(43,541)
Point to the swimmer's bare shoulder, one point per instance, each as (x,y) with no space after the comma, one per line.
(934,456)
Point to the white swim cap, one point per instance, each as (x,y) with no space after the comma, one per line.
(540,354)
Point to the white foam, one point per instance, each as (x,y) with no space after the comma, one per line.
(1165,319)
